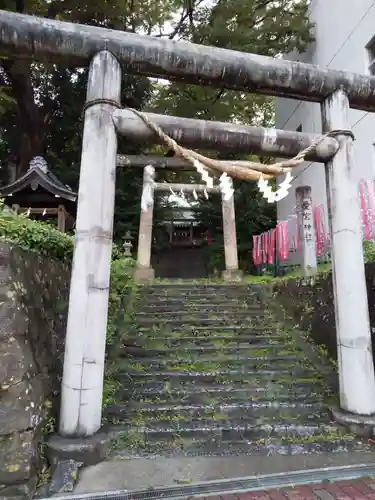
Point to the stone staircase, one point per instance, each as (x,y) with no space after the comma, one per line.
(203,370)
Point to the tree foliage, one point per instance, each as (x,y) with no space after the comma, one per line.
(267,27)
(50,97)
(40,104)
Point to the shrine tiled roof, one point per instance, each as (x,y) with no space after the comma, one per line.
(37,175)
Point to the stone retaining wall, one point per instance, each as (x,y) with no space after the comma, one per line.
(33,305)
(309,304)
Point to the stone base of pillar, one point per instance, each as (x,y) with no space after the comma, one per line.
(67,455)
(145,275)
(232,275)
(87,450)
(360,425)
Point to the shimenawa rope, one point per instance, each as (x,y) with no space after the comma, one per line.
(240,170)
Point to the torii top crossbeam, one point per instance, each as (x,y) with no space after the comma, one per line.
(43,39)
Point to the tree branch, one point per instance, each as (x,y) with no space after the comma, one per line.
(214,101)
(218,96)
(183,17)
(187,13)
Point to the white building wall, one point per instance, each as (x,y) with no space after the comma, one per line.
(343,29)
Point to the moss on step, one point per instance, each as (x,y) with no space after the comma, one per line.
(173,354)
(138,442)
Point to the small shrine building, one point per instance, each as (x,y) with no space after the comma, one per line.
(42,196)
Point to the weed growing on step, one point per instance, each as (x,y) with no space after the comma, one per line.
(48,427)
(331,435)
(120,309)
(133,440)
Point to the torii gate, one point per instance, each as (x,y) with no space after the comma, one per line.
(144,273)
(41,39)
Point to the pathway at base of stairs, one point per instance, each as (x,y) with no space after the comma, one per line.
(169,472)
(363,489)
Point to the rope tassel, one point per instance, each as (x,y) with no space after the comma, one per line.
(226,189)
(147,199)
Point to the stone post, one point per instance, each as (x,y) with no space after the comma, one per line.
(144,273)
(307,229)
(61,218)
(354,351)
(231,273)
(82,384)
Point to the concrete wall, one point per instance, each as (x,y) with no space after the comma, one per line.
(33,305)
(343,29)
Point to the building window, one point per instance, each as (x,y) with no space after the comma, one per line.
(370,49)
(299,128)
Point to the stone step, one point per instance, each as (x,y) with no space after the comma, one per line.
(259,377)
(181,320)
(250,413)
(199,301)
(158,287)
(200,293)
(199,317)
(132,444)
(201,372)
(212,329)
(187,308)
(230,393)
(208,342)
(182,349)
(211,430)
(206,362)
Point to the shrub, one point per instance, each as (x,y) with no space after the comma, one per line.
(39,236)
(368,251)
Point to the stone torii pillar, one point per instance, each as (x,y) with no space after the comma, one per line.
(144,273)
(354,350)
(306,229)
(231,273)
(82,383)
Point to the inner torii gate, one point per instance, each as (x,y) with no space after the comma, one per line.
(45,39)
(144,273)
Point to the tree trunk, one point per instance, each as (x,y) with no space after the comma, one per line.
(31,119)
